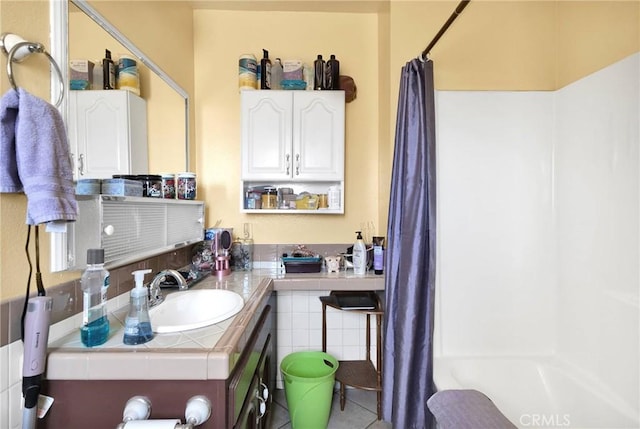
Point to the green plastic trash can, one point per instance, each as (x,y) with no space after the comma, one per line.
(308,386)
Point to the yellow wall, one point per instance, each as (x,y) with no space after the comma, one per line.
(507,45)
(221,37)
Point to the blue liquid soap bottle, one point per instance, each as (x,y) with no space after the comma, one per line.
(94,283)
(137,326)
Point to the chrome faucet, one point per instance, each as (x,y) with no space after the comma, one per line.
(155,294)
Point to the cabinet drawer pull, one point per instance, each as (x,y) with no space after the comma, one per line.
(81,164)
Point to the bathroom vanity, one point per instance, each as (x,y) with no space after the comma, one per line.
(233,363)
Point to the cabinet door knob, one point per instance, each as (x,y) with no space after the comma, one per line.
(297,164)
(263,407)
(288,163)
(109,230)
(265,391)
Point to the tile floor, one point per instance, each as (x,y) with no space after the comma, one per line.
(359,412)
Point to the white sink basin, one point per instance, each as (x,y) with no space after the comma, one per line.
(181,311)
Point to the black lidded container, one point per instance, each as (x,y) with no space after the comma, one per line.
(332,78)
(319,73)
(108,71)
(265,70)
(151,185)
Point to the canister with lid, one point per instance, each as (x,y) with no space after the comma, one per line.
(253,199)
(334,198)
(186,186)
(151,185)
(168,185)
(270,197)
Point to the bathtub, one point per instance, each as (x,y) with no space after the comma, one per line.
(538,393)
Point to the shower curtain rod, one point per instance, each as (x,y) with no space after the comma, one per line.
(444,28)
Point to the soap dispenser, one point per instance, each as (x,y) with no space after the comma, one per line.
(359,255)
(137,326)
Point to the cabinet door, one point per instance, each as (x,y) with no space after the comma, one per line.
(266,134)
(108,133)
(318,135)
(249,417)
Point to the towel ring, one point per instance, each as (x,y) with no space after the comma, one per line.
(39,49)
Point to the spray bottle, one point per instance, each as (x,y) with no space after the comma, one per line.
(359,255)
(137,326)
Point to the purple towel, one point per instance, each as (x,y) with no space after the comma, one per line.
(34,157)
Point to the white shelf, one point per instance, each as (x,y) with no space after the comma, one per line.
(293,211)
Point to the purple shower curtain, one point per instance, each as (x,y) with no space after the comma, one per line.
(411,252)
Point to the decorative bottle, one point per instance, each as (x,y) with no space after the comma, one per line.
(265,70)
(332,78)
(319,73)
(108,71)
(94,283)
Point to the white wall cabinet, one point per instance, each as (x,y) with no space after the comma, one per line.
(132,228)
(107,133)
(294,139)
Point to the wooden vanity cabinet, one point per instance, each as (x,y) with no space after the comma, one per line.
(236,401)
(252,382)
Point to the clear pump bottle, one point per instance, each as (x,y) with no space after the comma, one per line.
(137,325)
(276,74)
(94,283)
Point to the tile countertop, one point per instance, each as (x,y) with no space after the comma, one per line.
(198,354)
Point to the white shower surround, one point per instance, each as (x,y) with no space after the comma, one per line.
(538,247)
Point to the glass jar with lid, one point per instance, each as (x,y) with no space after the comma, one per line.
(269,197)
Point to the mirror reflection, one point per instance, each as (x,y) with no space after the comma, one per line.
(166,119)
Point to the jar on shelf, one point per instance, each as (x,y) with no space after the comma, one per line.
(270,198)
(151,185)
(242,251)
(252,199)
(284,198)
(186,186)
(333,198)
(168,185)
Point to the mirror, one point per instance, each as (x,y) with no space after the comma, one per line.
(73,24)
(85,34)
